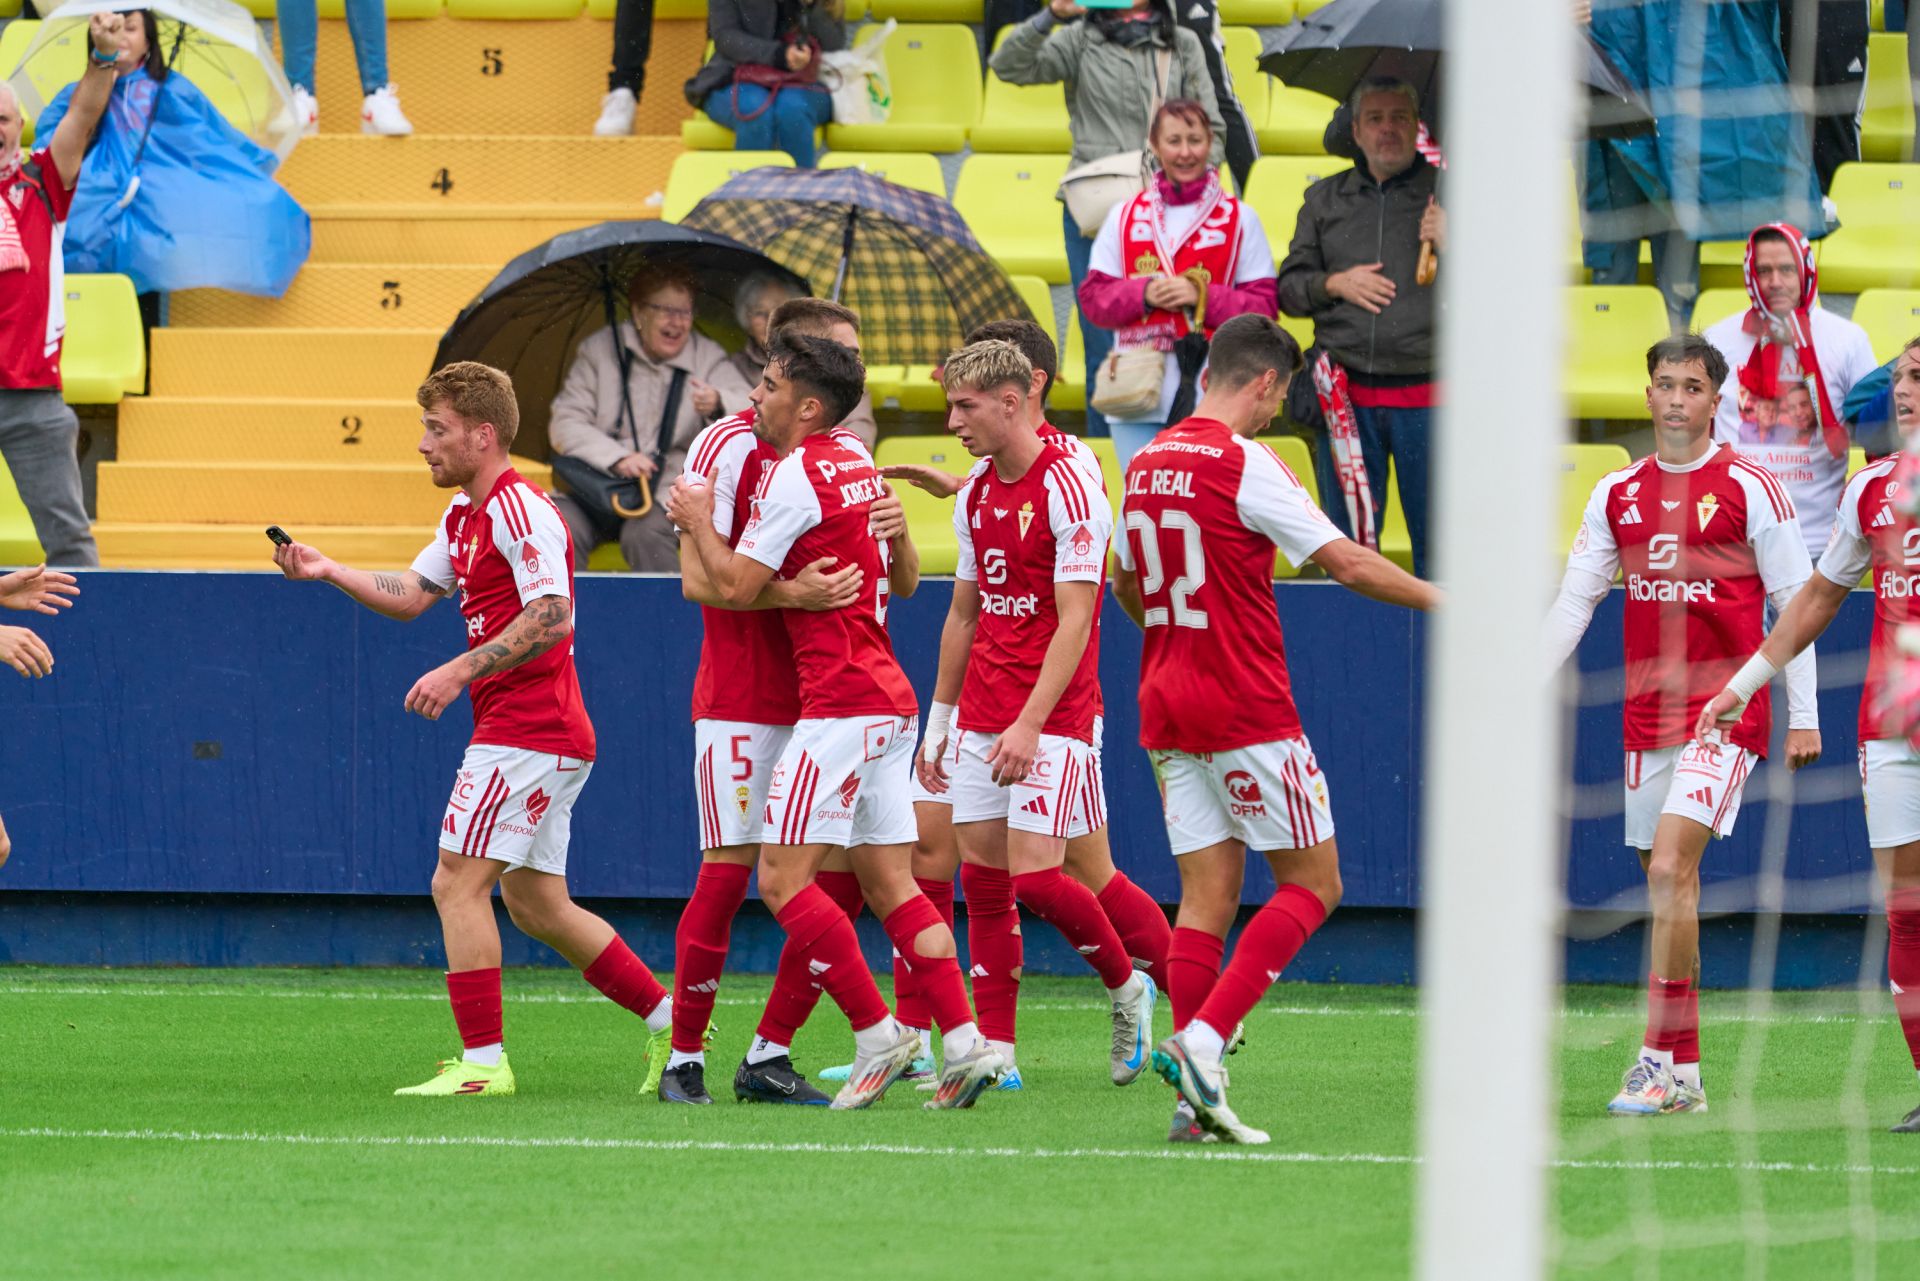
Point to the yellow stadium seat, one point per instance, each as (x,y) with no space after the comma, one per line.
(1723,264)
(104,356)
(1070,391)
(1293,451)
(915,169)
(1581,467)
(19,545)
(1609,328)
(1038,295)
(1277,187)
(1886,120)
(927,11)
(1877,15)
(929,519)
(1009,202)
(1021,117)
(607,558)
(1257,13)
(919,391)
(695,174)
(1111,474)
(1715,305)
(1301,327)
(9,8)
(1875,245)
(1856,459)
(1891,318)
(1243,66)
(1307,8)
(397,10)
(1296,121)
(935,74)
(604,9)
(1396,542)
(14,41)
(515,10)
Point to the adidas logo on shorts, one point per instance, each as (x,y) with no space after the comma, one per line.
(1702,797)
(1038,805)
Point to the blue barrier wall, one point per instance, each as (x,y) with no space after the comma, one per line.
(235,733)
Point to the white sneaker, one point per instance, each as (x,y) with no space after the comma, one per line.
(1200,1084)
(1646,1090)
(1132,1031)
(1686,1098)
(616,115)
(306,111)
(873,1074)
(381,114)
(965,1078)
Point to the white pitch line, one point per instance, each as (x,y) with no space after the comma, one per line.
(561,998)
(901,1149)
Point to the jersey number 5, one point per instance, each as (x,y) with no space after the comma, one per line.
(1153,574)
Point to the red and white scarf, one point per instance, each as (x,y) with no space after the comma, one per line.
(1147,249)
(13,252)
(1343,436)
(1760,376)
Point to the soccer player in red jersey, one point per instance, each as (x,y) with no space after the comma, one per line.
(1204,508)
(746,698)
(1705,538)
(993,921)
(1874,531)
(842,780)
(1020,667)
(504,545)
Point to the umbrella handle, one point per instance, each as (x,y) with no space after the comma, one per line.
(621,510)
(133,189)
(1429,265)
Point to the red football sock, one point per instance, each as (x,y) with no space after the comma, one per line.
(1903,963)
(1268,944)
(1193,967)
(994,946)
(624,979)
(475,996)
(844,889)
(940,984)
(1141,925)
(792,999)
(700,949)
(1666,1011)
(832,950)
(908,1005)
(1071,908)
(1686,1040)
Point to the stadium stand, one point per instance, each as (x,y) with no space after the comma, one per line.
(1021,117)
(1886,120)
(917,170)
(1890,316)
(1009,202)
(934,71)
(929,518)
(1277,187)
(695,174)
(1609,328)
(18,543)
(104,356)
(1879,207)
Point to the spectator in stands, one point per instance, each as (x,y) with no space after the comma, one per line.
(1117,64)
(299,22)
(1794,364)
(762,81)
(38,433)
(755,304)
(1835,63)
(632,42)
(677,381)
(1182,245)
(1353,268)
(172,195)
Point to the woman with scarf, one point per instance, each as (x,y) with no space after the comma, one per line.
(1119,60)
(1790,355)
(172,195)
(1173,264)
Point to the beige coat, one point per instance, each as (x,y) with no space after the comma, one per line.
(587,424)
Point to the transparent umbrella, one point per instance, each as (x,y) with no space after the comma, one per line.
(214,43)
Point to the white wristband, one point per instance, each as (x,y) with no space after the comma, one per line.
(1750,680)
(939,721)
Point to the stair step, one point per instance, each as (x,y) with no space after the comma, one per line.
(424,234)
(138,545)
(476,171)
(341,296)
(214,429)
(340,364)
(285,494)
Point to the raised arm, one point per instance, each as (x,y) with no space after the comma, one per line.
(404,596)
(1029,57)
(89,102)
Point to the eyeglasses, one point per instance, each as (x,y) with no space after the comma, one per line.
(670,313)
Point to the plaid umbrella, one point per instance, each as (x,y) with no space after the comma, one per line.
(903,259)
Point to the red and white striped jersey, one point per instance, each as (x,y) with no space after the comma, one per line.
(815,504)
(1702,547)
(1017,539)
(1203,510)
(1873,530)
(1077,449)
(503,557)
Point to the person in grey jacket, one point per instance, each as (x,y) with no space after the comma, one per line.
(754,303)
(769,33)
(588,422)
(1109,59)
(1352,268)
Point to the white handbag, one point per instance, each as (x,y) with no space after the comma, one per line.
(1090,191)
(1128,383)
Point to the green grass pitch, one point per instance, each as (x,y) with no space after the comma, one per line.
(213,1124)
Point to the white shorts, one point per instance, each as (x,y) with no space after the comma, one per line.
(845,782)
(1094,791)
(732,761)
(1272,796)
(514,806)
(1890,781)
(1058,797)
(1700,781)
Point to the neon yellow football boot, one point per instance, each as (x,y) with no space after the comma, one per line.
(659,1047)
(456,1076)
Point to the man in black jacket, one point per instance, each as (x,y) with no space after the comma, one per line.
(1352,268)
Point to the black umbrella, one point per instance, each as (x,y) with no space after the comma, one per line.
(1333,49)
(531,317)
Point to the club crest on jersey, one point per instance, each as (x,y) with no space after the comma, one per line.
(742,797)
(1026,518)
(1705,508)
(1633,490)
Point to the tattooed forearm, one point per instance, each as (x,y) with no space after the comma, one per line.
(538,628)
(391,584)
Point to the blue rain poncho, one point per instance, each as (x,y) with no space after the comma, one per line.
(208,213)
